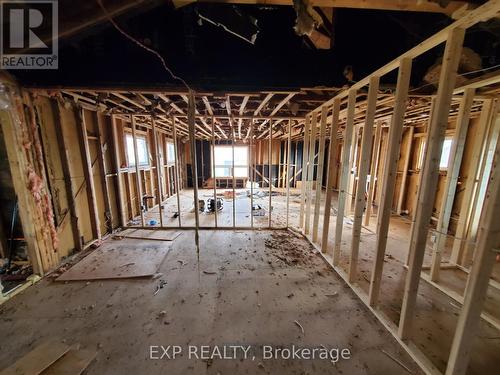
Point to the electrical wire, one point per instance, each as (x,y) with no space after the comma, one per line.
(131,38)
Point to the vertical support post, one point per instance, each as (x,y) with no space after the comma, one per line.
(344,176)
(310,172)
(319,178)
(287,173)
(194,168)
(87,172)
(404,177)
(252,170)
(468,194)
(102,168)
(270,161)
(119,182)
(391,161)
(364,166)
(488,241)
(303,174)
(454,163)
(332,170)
(232,172)
(70,193)
(213,170)
(373,172)
(484,171)
(176,174)
(159,167)
(137,171)
(427,191)
(353,168)
(419,183)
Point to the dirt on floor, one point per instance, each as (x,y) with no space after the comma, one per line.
(258,289)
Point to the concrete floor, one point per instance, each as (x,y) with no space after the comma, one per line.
(262,283)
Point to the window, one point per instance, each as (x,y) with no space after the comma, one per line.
(224,160)
(445,154)
(170,153)
(142,150)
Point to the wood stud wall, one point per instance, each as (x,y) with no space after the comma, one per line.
(483,158)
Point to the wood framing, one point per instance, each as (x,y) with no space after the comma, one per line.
(486,251)
(102,171)
(287,174)
(158,167)
(87,171)
(319,174)
(119,181)
(404,176)
(427,190)
(305,167)
(70,193)
(332,172)
(388,183)
(138,179)
(310,173)
(364,166)
(344,177)
(373,172)
(454,163)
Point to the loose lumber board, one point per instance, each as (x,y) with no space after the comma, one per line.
(122,261)
(149,234)
(38,359)
(74,362)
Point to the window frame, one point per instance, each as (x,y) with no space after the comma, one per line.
(231,167)
(167,154)
(142,137)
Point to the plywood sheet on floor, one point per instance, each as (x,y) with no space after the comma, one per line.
(149,234)
(122,261)
(38,359)
(73,362)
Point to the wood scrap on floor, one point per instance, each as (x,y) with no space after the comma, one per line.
(124,261)
(149,234)
(74,362)
(38,359)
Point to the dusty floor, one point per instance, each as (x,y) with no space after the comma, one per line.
(256,284)
(436,314)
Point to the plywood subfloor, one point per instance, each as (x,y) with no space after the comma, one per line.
(119,261)
(149,234)
(258,284)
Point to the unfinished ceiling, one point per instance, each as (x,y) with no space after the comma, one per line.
(212,56)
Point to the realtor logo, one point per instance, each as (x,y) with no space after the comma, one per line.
(29,38)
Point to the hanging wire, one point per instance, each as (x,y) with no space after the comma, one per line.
(128,36)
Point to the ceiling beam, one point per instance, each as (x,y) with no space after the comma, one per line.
(398,5)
